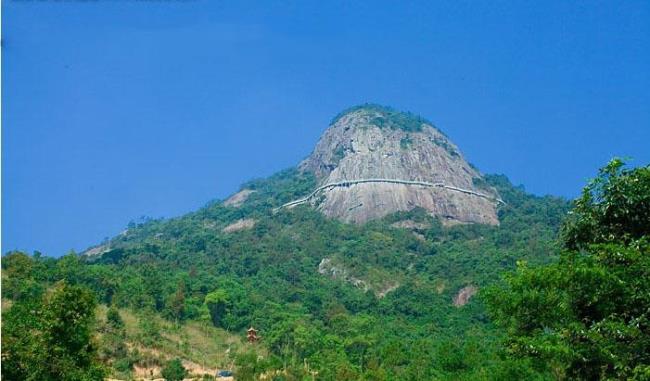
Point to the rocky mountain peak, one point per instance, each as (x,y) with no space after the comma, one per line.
(374,160)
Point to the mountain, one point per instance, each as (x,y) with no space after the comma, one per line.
(382,161)
(386,290)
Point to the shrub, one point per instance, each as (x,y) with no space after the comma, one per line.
(113,318)
(174,371)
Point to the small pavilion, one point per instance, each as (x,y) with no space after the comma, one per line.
(251,335)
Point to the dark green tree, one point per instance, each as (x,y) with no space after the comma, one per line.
(588,316)
(174,371)
(249,365)
(20,283)
(217,302)
(176,305)
(149,328)
(51,339)
(70,268)
(614,207)
(113,318)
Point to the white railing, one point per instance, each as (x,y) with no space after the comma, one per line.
(346,183)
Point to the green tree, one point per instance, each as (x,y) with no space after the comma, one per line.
(217,302)
(70,268)
(113,318)
(177,303)
(51,339)
(614,207)
(249,365)
(20,282)
(149,328)
(587,316)
(174,371)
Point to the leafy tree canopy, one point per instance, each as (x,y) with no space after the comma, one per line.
(174,371)
(614,207)
(51,338)
(403,327)
(588,316)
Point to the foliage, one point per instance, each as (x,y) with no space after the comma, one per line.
(174,370)
(217,303)
(446,145)
(149,328)
(249,365)
(387,117)
(50,338)
(176,303)
(114,319)
(404,326)
(406,142)
(587,316)
(339,153)
(614,207)
(19,282)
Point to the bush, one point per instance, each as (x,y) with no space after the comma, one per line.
(174,371)
(149,329)
(388,117)
(113,318)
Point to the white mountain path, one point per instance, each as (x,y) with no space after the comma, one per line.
(346,183)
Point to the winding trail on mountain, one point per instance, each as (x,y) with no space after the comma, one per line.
(347,183)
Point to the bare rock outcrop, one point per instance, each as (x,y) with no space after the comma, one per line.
(411,225)
(238,198)
(379,143)
(97,250)
(464,295)
(244,223)
(327,267)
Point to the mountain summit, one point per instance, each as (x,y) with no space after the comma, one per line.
(374,160)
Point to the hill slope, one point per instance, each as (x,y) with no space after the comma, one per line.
(347,299)
(318,288)
(392,298)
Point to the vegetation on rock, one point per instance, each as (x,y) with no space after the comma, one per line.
(388,117)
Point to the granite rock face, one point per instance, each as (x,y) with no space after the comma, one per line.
(376,142)
(245,223)
(464,295)
(237,199)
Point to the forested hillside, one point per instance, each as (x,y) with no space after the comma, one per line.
(376,301)
(389,266)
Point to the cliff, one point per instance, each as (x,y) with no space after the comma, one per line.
(420,165)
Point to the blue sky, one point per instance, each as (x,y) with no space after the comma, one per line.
(112,110)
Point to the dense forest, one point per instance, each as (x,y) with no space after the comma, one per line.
(557,291)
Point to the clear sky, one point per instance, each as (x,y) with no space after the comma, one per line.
(112,110)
